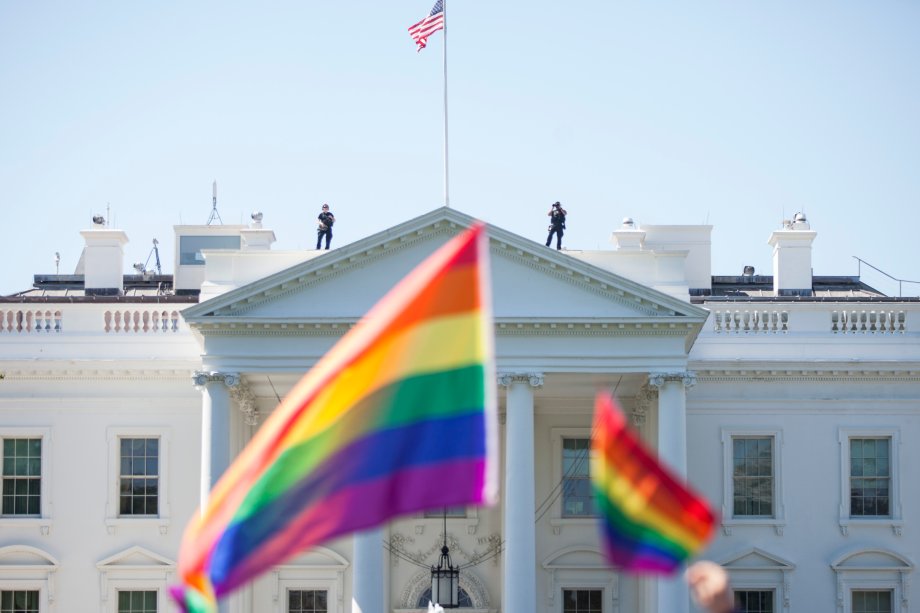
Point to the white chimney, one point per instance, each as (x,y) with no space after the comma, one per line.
(103,260)
(628,237)
(792,257)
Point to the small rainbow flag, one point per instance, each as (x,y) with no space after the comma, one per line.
(650,522)
(399,416)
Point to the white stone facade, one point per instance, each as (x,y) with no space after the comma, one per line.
(696,372)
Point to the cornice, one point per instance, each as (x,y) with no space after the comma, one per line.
(445,221)
(832,375)
(575,272)
(97,374)
(311,272)
(671,326)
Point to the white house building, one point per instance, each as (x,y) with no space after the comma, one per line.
(789,400)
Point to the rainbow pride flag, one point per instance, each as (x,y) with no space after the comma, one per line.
(399,416)
(650,522)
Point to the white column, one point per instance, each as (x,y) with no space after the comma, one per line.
(519,581)
(367,572)
(215,435)
(673,594)
(215,426)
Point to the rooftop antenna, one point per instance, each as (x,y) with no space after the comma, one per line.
(57,262)
(156,253)
(214,213)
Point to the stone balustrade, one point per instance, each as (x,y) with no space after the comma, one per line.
(750,321)
(834,320)
(141,321)
(867,322)
(30,321)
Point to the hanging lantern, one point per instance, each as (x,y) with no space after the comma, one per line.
(445,578)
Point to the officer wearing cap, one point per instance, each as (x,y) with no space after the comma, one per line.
(326,219)
(556,224)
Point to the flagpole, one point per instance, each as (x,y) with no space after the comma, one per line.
(446,173)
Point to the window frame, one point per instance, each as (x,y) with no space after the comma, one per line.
(283,586)
(113,517)
(729,521)
(132,588)
(580,588)
(145,475)
(26,587)
(38,573)
(872,569)
(135,569)
(854,590)
(895,519)
(557,438)
(758,588)
(43,519)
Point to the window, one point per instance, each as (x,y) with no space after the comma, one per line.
(752,463)
(872,580)
(137,601)
(138,472)
(870,477)
(752,476)
(190,247)
(307,601)
(463,599)
(22,476)
(872,601)
(455,512)
(754,601)
(26,477)
(582,601)
(577,494)
(19,601)
(139,482)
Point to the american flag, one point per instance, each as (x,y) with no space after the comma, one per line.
(428,26)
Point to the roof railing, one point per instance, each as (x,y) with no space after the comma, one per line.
(901,282)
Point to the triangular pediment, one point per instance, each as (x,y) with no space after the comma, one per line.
(532,285)
(756,559)
(134,557)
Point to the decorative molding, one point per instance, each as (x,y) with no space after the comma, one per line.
(246,401)
(580,278)
(831,374)
(201,378)
(421,581)
(103,374)
(535,379)
(400,543)
(316,271)
(658,379)
(646,398)
(787,588)
(571,270)
(664,326)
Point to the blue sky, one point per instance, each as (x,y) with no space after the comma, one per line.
(735,113)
